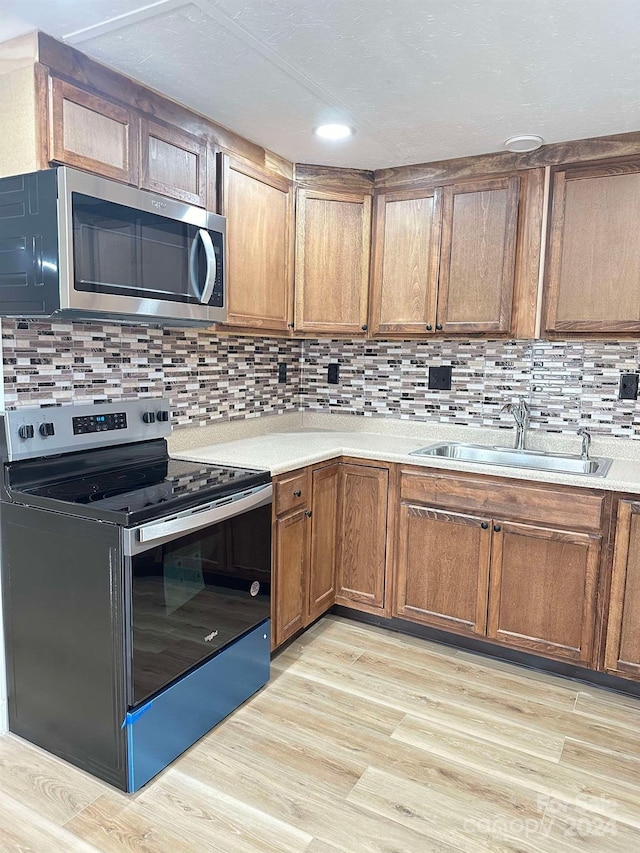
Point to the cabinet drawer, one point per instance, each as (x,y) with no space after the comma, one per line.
(292,492)
(550,506)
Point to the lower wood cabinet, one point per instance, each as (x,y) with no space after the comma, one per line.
(330,534)
(622,651)
(362,539)
(443,569)
(304,573)
(523,584)
(543,590)
(291,560)
(469,555)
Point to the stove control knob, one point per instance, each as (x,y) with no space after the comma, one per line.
(47,429)
(149,417)
(25,431)
(163,415)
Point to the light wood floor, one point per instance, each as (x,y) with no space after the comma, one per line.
(363,742)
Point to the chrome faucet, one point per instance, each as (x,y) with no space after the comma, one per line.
(520,412)
(586,442)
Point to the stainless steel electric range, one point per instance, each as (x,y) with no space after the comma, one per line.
(136,587)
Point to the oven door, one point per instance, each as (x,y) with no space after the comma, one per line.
(196,582)
(129,251)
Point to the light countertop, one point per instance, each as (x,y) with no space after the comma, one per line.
(285,442)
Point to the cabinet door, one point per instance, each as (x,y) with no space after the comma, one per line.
(406,246)
(332,262)
(622,654)
(291,557)
(543,590)
(593,259)
(479,229)
(362,536)
(443,569)
(173,163)
(92,134)
(324,525)
(258,207)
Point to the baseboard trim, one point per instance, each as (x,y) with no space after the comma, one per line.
(488,649)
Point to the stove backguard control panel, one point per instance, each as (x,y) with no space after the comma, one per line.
(51,430)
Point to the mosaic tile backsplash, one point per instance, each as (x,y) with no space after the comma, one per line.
(209,378)
(206,377)
(567,384)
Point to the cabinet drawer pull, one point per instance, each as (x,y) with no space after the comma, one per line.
(485,525)
(496,527)
(297,493)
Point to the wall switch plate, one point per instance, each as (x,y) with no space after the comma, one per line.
(282,372)
(440,378)
(333,374)
(628,386)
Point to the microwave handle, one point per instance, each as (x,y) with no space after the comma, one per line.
(212,265)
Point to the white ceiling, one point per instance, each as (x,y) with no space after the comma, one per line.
(420,80)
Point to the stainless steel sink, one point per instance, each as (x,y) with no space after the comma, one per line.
(557,462)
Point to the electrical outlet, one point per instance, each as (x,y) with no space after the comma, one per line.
(282,372)
(333,374)
(628,386)
(440,378)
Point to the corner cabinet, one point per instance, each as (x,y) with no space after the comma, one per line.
(304,548)
(592,280)
(444,259)
(622,650)
(258,205)
(333,231)
(362,541)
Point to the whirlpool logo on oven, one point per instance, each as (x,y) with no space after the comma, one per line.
(211,636)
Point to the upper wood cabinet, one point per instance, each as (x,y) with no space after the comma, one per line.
(173,163)
(258,205)
(543,590)
(444,259)
(91,133)
(406,251)
(479,228)
(593,258)
(622,652)
(333,232)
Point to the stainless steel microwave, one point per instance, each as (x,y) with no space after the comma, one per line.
(79,246)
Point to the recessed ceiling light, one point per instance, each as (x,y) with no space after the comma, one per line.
(334,131)
(524,142)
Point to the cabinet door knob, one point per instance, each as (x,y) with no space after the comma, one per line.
(297,493)
(496,527)
(429,327)
(308,513)
(364,328)
(485,525)
(290,325)
(438,327)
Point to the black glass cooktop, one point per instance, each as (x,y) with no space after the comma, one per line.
(145,491)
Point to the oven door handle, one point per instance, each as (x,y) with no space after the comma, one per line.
(147,536)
